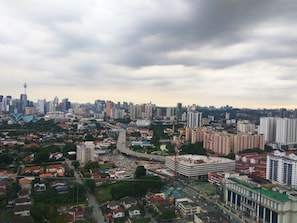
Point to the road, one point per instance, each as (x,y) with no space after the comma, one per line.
(96,211)
(210,205)
(122,147)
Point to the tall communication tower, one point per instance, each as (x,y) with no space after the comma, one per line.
(25,87)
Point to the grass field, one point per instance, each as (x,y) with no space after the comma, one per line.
(103,194)
(143,220)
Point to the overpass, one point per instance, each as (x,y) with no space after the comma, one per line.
(122,147)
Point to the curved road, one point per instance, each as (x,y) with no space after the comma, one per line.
(122,146)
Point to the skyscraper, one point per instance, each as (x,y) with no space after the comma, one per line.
(23,103)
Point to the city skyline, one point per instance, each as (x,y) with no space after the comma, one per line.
(207,53)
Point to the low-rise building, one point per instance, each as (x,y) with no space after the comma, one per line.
(187,207)
(118,213)
(134,211)
(260,203)
(195,166)
(129,202)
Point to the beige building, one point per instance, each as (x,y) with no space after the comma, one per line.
(85,152)
(222,142)
(187,207)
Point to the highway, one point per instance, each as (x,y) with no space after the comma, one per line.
(122,147)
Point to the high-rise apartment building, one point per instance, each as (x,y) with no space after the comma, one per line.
(245,126)
(282,168)
(224,142)
(286,131)
(280,130)
(148,111)
(135,111)
(85,152)
(268,128)
(194,119)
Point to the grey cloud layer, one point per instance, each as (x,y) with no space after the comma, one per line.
(247,46)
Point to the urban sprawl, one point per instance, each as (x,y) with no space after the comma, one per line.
(123,162)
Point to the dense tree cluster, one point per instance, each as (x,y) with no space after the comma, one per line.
(136,188)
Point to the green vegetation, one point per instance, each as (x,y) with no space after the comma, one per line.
(103,193)
(140,172)
(90,183)
(159,134)
(5,159)
(142,220)
(251,151)
(167,214)
(75,193)
(91,165)
(229,156)
(75,164)
(107,165)
(195,149)
(134,188)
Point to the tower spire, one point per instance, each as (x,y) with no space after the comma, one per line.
(25,87)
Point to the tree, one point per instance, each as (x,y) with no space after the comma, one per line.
(89,137)
(5,159)
(140,172)
(42,157)
(90,183)
(91,165)
(75,163)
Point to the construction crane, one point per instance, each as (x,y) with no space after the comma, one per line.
(176,141)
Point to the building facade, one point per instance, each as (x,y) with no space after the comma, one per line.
(195,166)
(282,168)
(194,119)
(260,204)
(85,152)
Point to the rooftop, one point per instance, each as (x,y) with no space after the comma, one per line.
(197,159)
(265,192)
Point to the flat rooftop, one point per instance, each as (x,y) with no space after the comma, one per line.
(264,191)
(198,159)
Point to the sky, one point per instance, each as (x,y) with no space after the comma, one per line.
(215,52)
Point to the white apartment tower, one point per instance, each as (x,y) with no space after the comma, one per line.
(279,130)
(286,131)
(194,119)
(85,152)
(282,168)
(268,128)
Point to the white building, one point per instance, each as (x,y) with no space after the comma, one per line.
(282,168)
(85,152)
(286,131)
(259,204)
(187,207)
(268,128)
(245,126)
(280,130)
(194,119)
(195,166)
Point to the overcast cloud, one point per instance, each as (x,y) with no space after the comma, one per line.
(217,52)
